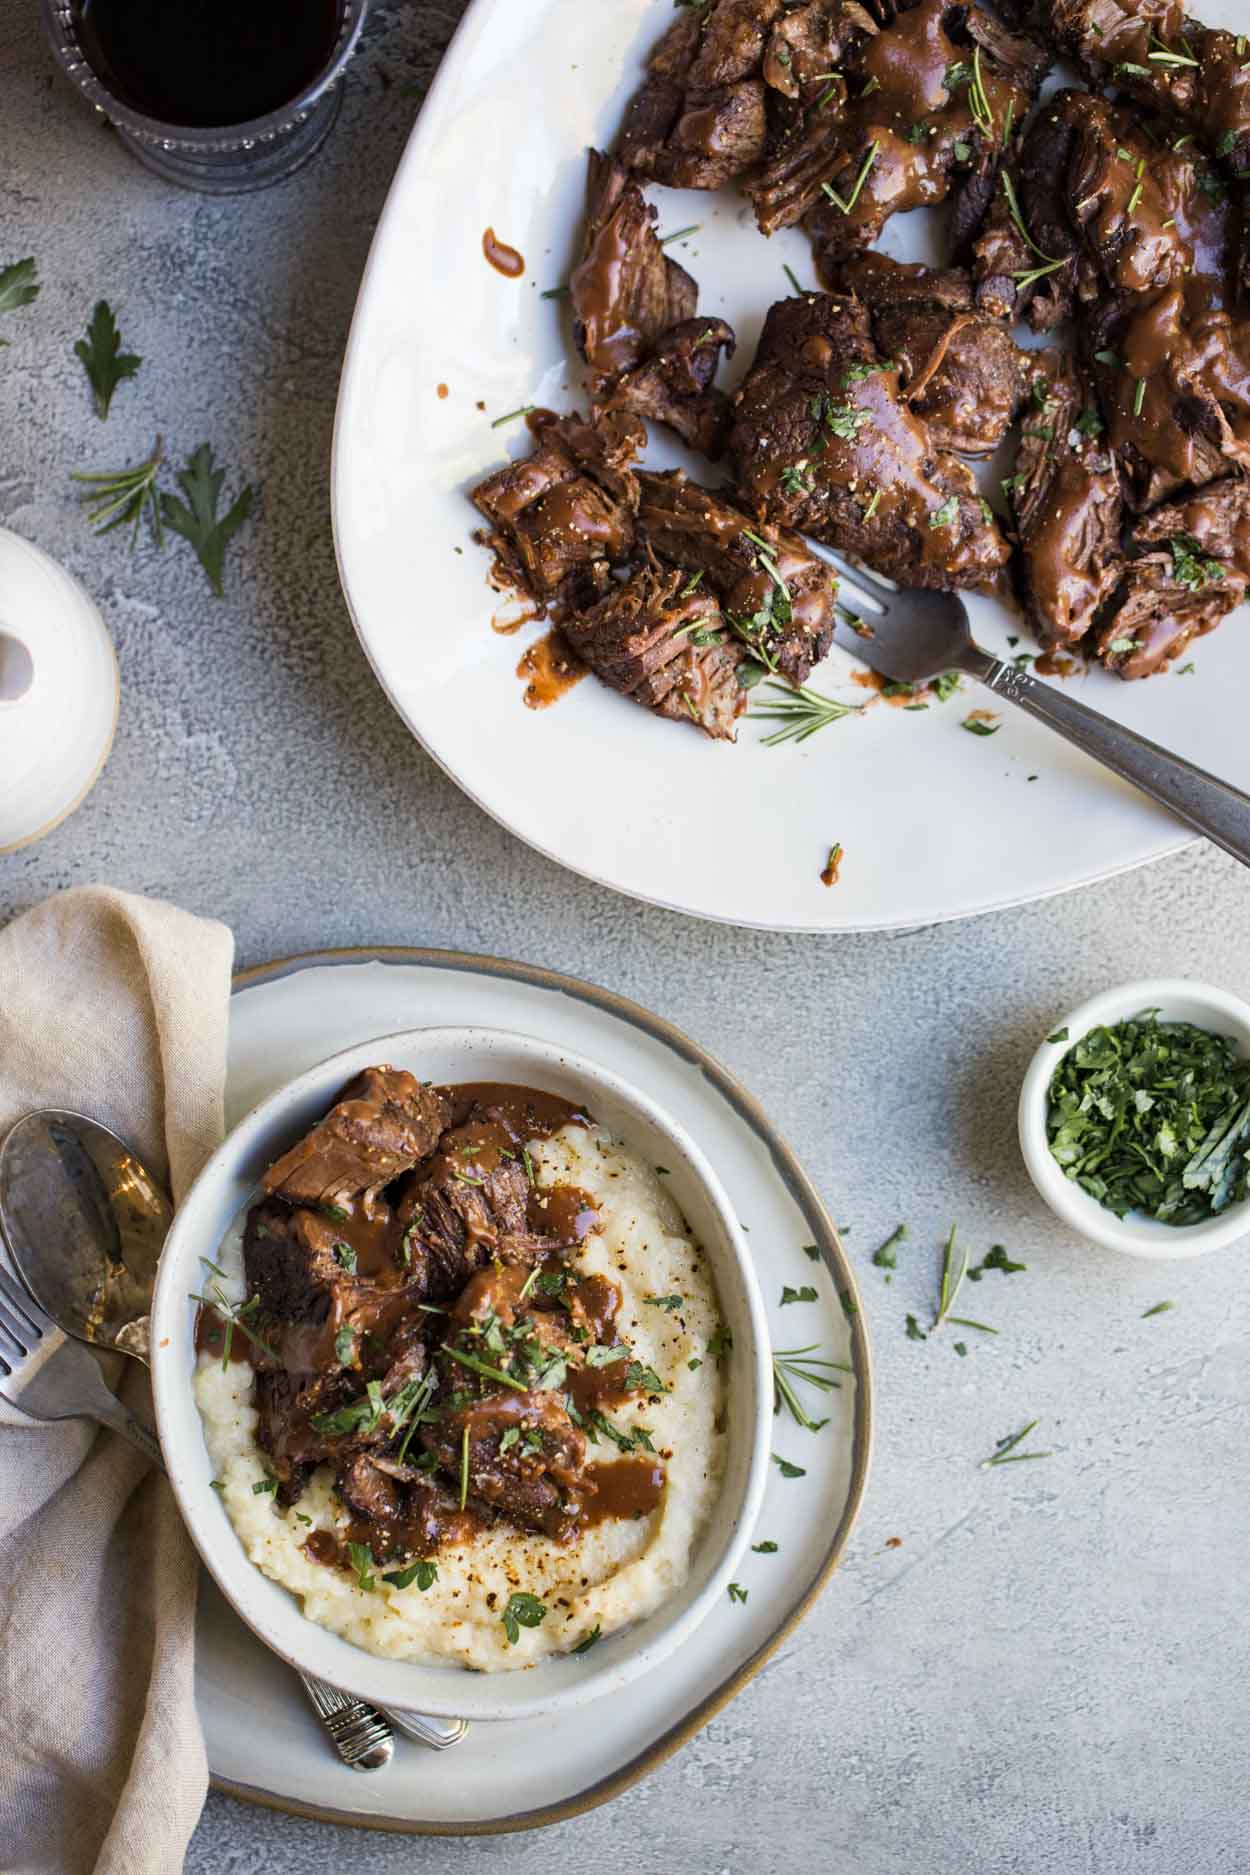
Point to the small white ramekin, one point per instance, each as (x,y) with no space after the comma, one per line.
(225,1185)
(1177,1000)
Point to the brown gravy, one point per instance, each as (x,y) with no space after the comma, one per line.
(504,259)
(550,668)
(629,1487)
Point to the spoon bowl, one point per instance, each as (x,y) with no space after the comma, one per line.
(84,1222)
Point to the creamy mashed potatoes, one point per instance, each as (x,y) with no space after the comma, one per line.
(609,1574)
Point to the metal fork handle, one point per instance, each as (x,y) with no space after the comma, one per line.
(1209,805)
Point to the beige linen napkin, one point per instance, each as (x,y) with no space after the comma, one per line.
(116,1006)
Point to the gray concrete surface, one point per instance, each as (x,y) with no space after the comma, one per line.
(1048,1677)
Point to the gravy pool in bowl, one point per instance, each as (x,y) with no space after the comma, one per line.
(459,1376)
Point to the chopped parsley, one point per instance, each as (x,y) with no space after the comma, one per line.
(587,1642)
(1191,566)
(424,1573)
(786,1469)
(362,1562)
(766,1548)
(737,1593)
(1154,1117)
(947,514)
(805,1294)
(522,1611)
(885,1255)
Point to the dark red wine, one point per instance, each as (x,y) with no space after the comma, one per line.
(208,63)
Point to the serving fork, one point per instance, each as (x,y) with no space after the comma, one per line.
(914,636)
(49,1376)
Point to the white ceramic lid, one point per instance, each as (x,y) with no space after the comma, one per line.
(59,709)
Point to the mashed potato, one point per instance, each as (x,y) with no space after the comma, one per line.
(610,1574)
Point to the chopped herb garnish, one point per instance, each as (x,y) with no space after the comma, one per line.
(805,1294)
(361,1415)
(668,1303)
(1139,396)
(1028,276)
(584,1646)
(914,1331)
(812,1252)
(952,1275)
(522,410)
(977,726)
(522,1611)
(885,1256)
(765,1548)
(995,1259)
(790,277)
(796,479)
(362,1562)
(1154,1117)
(424,1573)
(102,358)
(1190,565)
(947,514)
(345,1256)
(1089,423)
(737,1593)
(345,1347)
(786,1469)
(1005,1449)
(1058,1035)
(847,204)
(680,234)
(1160,1308)
(720,1343)
(264,1484)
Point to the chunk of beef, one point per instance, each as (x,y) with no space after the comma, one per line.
(1195,568)
(625,291)
(664,646)
(1204,87)
(1066,500)
(674,386)
(368,1491)
(559,517)
(823,441)
(380,1126)
(780,596)
(289,1261)
(699,118)
(959,369)
(1175,390)
(929,96)
(457,1215)
(527,1478)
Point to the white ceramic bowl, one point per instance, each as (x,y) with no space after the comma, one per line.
(224,1186)
(1177,1000)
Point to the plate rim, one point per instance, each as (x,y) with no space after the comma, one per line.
(824,1231)
(1165,846)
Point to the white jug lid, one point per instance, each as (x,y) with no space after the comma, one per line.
(58,693)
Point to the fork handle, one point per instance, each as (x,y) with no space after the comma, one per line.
(1209,805)
(120,1419)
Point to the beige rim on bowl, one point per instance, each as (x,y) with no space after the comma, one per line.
(823,1234)
(1177,1000)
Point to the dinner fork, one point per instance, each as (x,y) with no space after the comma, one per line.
(48,1376)
(916,635)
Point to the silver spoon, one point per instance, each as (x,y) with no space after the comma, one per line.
(919,635)
(84,1222)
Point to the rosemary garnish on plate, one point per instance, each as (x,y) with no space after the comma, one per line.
(815,1370)
(800,712)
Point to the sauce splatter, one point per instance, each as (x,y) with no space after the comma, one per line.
(550,667)
(830,874)
(504,259)
(442,390)
(1055,664)
(894,1542)
(982,716)
(507,626)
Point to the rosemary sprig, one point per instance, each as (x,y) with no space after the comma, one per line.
(791,1364)
(115,496)
(522,410)
(800,713)
(978,101)
(1005,1452)
(681,232)
(233,1314)
(484,1368)
(951,1280)
(848,204)
(464,1467)
(1027,276)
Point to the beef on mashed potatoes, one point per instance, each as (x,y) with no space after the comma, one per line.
(460,1371)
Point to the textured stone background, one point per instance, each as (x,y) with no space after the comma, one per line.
(1049,1676)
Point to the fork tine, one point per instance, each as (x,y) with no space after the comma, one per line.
(22,1316)
(12,1350)
(863,576)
